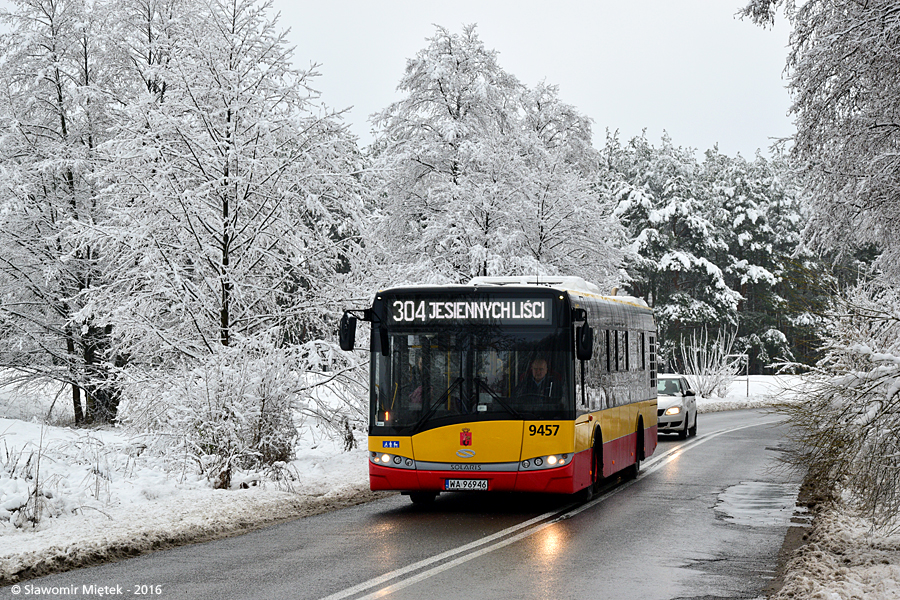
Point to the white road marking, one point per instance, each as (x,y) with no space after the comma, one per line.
(500,539)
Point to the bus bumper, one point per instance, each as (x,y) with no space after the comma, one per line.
(559,480)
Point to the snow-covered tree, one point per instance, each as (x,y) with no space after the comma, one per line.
(54,114)
(234,201)
(481,176)
(569,225)
(713,245)
(666,208)
(844,79)
(843,75)
(848,422)
(446,153)
(235,194)
(171,188)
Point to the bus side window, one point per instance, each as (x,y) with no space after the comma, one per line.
(628,361)
(608,352)
(634,350)
(621,351)
(615,351)
(643,351)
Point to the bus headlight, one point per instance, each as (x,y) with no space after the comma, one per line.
(392,460)
(544,462)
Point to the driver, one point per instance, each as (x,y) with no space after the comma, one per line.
(538,382)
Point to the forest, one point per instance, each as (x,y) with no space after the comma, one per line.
(183,220)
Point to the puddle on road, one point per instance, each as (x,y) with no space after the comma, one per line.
(760,504)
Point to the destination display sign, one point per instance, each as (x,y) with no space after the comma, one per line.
(507,310)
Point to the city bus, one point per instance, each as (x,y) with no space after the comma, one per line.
(507,384)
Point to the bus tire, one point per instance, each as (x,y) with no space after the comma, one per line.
(597,458)
(635,469)
(587,493)
(422,498)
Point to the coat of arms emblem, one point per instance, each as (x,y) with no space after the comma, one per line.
(465,437)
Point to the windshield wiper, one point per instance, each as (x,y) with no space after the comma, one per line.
(483,385)
(434,406)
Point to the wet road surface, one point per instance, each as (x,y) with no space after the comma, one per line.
(705,519)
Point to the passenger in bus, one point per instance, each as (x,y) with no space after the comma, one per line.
(538,381)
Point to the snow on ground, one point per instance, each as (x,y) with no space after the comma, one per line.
(843,559)
(106,498)
(757,391)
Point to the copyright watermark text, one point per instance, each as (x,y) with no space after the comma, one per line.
(81,590)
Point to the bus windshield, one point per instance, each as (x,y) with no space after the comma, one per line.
(439,376)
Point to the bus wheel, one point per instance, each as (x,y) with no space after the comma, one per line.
(422,498)
(597,460)
(587,493)
(635,469)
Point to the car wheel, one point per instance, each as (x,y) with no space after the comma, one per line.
(693,431)
(682,435)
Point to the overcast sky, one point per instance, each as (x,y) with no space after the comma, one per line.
(689,67)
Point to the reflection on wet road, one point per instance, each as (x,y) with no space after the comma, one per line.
(557,545)
(760,503)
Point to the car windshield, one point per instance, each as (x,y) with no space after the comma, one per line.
(434,378)
(667,387)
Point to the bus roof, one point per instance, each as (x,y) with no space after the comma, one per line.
(562,283)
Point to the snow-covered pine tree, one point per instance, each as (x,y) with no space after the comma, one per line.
(667,211)
(716,245)
(758,210)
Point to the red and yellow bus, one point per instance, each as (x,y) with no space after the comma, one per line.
(507,384)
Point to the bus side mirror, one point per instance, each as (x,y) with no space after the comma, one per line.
(347,332)
(584,342)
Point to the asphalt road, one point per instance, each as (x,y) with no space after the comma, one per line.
(705,519)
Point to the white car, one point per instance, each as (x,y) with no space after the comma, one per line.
(676,405)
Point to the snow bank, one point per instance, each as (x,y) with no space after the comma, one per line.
(760,391)
(843,559)
(101,497)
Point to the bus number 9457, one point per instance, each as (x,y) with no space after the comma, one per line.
(543,430)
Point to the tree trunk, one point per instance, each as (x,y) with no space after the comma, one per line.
(76,404)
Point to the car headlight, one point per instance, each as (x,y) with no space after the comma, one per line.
(674,410)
